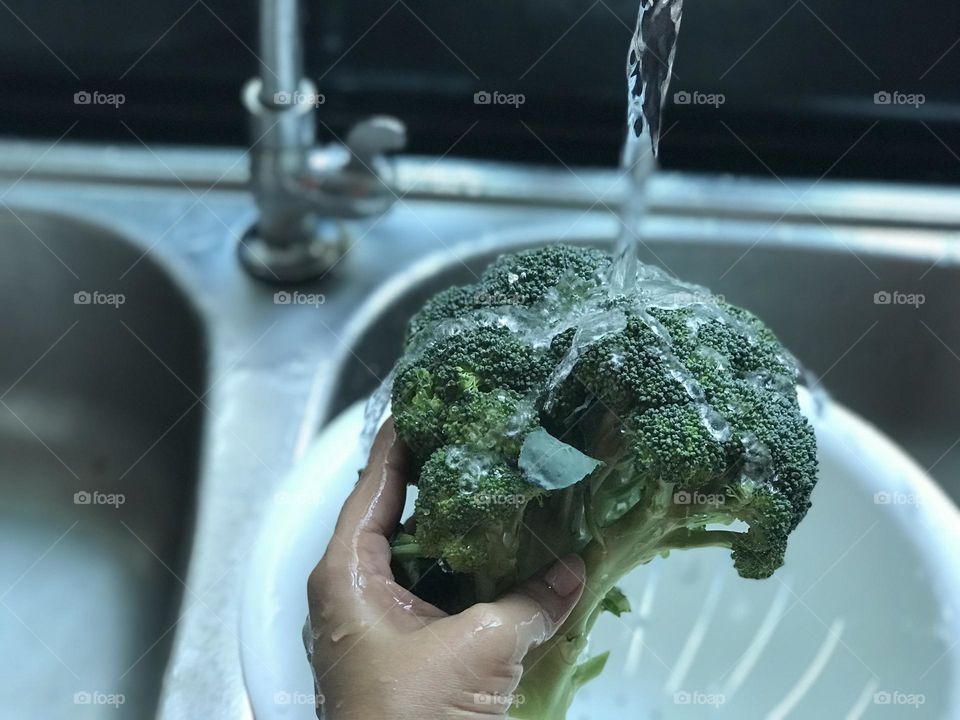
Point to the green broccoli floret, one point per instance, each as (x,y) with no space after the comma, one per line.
(469,509)
(684,406)
(470,387)
(517,280)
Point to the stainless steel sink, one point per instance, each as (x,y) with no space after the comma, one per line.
(99,447)
(195,396)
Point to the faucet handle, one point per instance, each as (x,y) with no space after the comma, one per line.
(372,137)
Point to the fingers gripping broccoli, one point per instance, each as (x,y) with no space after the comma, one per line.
(550,411)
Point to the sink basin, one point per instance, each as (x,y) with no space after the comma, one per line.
(88,608)
(102,363)
(890,363)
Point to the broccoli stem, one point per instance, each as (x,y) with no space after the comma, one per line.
(408,551)
(550,679)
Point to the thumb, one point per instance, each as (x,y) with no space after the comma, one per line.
(535,609)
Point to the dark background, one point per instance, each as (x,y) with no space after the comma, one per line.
(799,78)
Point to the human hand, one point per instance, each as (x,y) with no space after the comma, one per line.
(378,651)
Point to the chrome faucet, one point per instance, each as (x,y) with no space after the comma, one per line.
(304,192)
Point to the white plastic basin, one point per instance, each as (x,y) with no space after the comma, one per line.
(862,622)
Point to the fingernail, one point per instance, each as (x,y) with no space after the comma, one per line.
(565,576)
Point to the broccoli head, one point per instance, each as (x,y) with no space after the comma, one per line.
(551,411)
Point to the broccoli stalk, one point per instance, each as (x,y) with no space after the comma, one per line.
(551,413)
(556,670)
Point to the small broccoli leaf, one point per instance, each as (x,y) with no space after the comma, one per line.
(589,669)
(615,602)
(552,464)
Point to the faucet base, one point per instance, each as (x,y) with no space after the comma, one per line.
(298,261)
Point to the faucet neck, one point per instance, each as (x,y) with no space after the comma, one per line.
(281,49)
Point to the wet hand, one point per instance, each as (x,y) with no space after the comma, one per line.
(379,651)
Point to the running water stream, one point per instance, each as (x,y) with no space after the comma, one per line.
(649,68)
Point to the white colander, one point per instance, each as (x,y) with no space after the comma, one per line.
(863,621)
